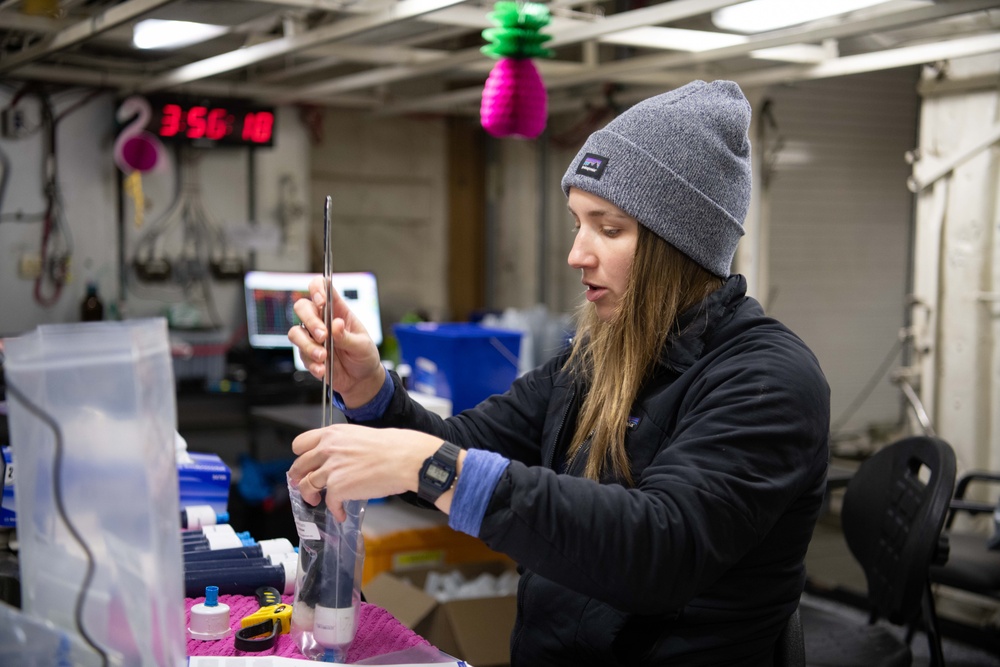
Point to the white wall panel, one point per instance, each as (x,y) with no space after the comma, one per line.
(839,223)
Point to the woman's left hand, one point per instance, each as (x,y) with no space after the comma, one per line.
(355,462)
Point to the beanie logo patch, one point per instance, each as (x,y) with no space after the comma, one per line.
(592,165)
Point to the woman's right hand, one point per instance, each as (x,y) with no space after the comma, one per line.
(357,372)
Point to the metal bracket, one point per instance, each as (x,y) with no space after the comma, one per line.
(927,173)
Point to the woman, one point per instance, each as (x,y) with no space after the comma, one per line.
(659,481)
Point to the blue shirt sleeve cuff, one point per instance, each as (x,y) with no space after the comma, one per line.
(374,408)
(480,473)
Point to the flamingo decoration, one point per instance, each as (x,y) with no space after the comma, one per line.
(135,148)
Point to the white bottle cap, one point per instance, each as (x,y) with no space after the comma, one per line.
(218,528)
(291,567)
(276,546)
(223,541)
(210,619)
(199,515)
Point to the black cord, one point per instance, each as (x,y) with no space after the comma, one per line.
(88,577)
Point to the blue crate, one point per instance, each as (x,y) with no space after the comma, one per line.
(465,363)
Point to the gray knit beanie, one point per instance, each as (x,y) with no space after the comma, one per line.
(679,163)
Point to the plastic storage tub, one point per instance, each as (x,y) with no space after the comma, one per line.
(465,363)
(92,418)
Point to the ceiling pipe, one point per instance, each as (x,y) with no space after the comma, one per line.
(81,31)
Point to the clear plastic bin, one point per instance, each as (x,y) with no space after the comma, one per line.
(92,420)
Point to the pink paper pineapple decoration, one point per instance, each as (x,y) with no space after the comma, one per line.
(514,100)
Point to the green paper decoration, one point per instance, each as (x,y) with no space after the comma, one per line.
(517,33)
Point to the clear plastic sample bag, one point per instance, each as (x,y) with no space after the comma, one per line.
(328,581)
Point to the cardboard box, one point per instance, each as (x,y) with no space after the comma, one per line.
(475,630)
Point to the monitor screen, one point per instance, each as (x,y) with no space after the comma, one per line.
(270,296)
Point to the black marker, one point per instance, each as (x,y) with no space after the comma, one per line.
(262,548)
(241,580)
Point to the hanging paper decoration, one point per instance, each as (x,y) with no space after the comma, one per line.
(514,101)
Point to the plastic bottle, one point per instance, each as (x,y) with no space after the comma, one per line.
(92,309)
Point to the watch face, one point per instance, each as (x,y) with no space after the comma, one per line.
(437,473)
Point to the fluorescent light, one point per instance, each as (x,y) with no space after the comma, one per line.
(159,34)
(675,39)
(764,15)
(807,54)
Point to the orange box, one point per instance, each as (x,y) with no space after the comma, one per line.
(400,537)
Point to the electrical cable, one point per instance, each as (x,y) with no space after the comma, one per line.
(46,418)
(55,260)
(201,240)
(863,395)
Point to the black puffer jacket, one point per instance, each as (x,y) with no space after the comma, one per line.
(701,562)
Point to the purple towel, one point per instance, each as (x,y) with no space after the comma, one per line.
(378,632)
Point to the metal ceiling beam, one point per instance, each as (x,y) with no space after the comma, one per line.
(672,11)
(98,79)
(81,31)
(814,32)
(234,60)
(904,56)
(401,52)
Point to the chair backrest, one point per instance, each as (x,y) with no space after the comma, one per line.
(893,512)
(790,651)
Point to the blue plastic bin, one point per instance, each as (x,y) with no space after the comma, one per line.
(465,363)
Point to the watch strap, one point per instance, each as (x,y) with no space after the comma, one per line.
(447,456)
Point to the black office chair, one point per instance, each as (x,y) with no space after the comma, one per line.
(971,566)
(893,511)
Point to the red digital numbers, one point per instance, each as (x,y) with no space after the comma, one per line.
(257,127)
(170,123)
(220,124)
(215,123)
(196,122)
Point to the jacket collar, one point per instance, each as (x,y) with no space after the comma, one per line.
(698,324)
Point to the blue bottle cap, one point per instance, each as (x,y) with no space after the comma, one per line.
(211,596)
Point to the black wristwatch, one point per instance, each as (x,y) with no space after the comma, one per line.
(439,472)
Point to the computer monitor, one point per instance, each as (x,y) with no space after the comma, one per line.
(270,296)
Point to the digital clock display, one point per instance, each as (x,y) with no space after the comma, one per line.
(207,122)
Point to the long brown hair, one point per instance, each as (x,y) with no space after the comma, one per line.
(616,357)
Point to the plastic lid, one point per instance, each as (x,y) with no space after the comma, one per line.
(210,619)
(274,546)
